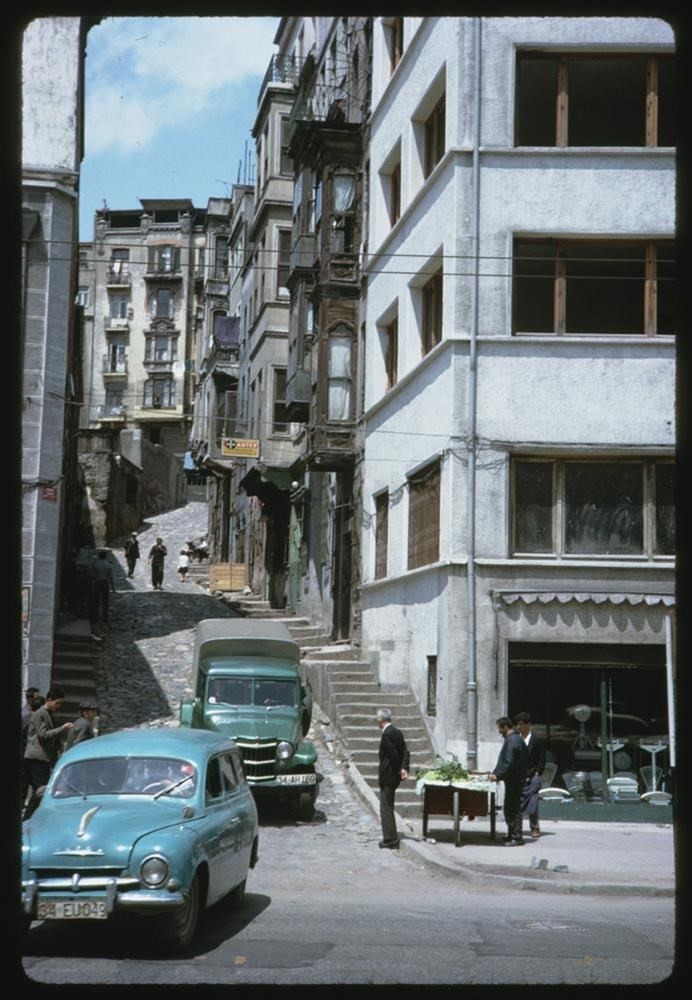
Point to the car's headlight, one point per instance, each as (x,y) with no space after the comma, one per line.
(284,750)
(154,870)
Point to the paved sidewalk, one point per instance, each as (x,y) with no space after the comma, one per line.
(599,858)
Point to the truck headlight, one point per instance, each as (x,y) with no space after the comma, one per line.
(284,750)
(154,871)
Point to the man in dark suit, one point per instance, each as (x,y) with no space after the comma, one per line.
(393,769)
(511,768)
(536,765)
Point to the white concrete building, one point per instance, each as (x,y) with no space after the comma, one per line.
(518,540)
(51,135)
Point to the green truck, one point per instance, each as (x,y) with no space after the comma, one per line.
(247,685)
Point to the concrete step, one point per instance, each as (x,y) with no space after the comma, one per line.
(333,654)
(272,614)
(346,717)
(70,668)
(379,698)
(364,750)
(304,638)
(338,668)
(360,685)
(314,642)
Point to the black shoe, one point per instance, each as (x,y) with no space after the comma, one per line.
(393,845)
(506,838)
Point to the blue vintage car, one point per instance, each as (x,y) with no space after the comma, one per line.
(151,822)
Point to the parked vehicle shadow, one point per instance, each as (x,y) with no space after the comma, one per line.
(135,938)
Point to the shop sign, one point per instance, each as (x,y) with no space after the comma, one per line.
(239,448)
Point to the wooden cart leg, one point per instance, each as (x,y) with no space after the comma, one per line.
(492,815)
(455,800)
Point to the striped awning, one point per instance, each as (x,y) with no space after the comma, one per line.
(582,597)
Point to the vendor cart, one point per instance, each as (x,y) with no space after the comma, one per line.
(472,797)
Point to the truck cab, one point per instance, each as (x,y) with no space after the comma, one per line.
(248,686)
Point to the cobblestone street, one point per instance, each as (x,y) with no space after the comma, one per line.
(146,658)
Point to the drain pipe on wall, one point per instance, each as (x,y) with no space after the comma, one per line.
(471,682)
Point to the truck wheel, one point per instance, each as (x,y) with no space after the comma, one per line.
(306,806)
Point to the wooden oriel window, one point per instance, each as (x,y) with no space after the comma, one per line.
(595,99)
(431,331)
(424,516)
(381,533)
(594,287)
(434,136)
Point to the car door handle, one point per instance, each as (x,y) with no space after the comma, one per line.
(235,820)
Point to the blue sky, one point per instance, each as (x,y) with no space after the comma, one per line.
(170,102)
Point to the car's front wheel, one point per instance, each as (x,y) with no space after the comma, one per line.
(178,928)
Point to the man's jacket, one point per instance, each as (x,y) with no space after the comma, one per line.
(394,756)
(513,762)
(536,748)
(44,740)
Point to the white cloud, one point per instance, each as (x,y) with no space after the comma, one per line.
(144,74)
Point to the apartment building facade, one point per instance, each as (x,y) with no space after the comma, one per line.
(326,142)
(518,524)
(140,278)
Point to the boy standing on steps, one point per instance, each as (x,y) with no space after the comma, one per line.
(183,564)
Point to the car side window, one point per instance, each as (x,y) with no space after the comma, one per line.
(238,768)
(227,776)
(214,787)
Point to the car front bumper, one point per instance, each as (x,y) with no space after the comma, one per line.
(119,894)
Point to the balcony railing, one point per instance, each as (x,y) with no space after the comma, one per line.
(116,322)
(119,276)
(281,69)
(114,411)
(163,361)
(114,366)
(158,269)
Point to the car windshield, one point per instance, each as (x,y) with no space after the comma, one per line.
(126,775)
(251,691)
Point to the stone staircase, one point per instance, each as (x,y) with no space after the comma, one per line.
(351,694)
(74,656)
(345,687)
(198,572)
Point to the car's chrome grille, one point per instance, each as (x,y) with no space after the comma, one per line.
(259,758)
(66,882)
(68,870)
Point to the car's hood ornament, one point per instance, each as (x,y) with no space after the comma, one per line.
(82,852)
